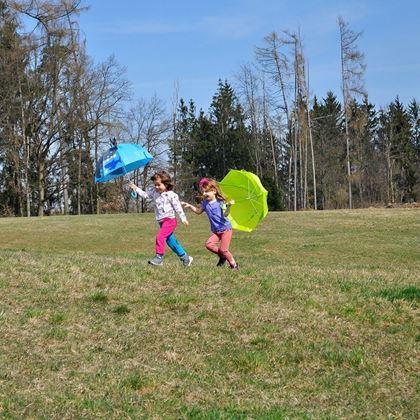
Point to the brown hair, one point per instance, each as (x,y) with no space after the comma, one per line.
(211,184)
(164,178)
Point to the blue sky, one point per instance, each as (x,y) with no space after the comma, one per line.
(198,42)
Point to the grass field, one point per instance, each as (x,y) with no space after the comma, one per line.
(320,322)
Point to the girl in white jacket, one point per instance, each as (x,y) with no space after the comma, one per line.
(167,205)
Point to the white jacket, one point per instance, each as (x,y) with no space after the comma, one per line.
(166,203)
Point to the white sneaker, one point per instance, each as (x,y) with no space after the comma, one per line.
(188,262)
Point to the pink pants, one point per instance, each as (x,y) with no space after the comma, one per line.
(223,250)
(167,227)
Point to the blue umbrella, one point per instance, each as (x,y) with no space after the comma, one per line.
(120,160)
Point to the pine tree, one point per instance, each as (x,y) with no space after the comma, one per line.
(369,191)
(12,145)
(395,142)
(231,145)
(362,125)
(185,126)
(403,150)
(330,153)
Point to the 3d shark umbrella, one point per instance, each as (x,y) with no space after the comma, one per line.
(120,160)
(250,199)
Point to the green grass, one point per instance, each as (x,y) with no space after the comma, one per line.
(411,293)
(320,322)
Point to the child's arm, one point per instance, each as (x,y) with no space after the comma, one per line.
(197,210)
(226,209)
(176,204)
(139,191)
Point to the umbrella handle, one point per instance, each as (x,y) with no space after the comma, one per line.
(133,194)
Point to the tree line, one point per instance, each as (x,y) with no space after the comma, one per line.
(59,109)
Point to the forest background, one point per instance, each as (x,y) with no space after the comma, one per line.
(59,109)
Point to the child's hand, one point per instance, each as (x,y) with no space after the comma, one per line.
(186,222)
(186,205)
(133,186)
(231,203)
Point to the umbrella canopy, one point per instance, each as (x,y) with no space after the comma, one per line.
(120,160)
(250,199)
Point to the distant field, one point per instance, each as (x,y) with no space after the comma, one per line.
(321,320)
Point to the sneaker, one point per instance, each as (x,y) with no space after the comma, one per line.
(221,262)
(157,260)
(235,267)
(187,261)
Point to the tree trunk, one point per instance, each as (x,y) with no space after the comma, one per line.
(295,150)
(390,193)
(311,142)
(345,107)
(66,194)
(79,179)
(270,132)
(26,175)
(41,186)
(273,156)
(352,70)
(301,158)
(97,199)
(90,170)
(289,182)
(27,153)
(348,161)
(305,177)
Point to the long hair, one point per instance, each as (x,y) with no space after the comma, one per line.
(211,184)
(164,178)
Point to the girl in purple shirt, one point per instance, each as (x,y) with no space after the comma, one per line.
(215,206)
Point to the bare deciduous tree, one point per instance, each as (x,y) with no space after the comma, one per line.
(352,72)
(148,125)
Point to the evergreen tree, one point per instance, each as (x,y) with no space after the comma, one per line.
(403,151)
(330,152)
(12,62)
(362,125)
(395,143)
(203,139)
(275,198)
(371,164)
(186,124)
(211,145)
(230,137)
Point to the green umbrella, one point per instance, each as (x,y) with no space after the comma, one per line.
(250,199)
